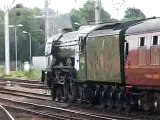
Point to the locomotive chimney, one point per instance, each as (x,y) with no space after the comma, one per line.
(66,30)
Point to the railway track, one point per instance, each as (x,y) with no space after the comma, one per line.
(74,111)
(22,83)
(27,85)
(24,94)
(16,93)
(5,114)
(51,106)
(10,113)
(61,106)
(55,112)
(28,96)
(20,80)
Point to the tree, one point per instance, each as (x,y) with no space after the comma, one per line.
(134,14)
(2,50)
(77,17)
(87,13)
(25,17)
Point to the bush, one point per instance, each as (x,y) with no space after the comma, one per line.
(1,71)
(32,74)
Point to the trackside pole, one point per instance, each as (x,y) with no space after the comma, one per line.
(7,53)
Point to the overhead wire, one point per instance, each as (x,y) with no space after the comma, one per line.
(1,9)
(7,10)
(120,4)
(77,4)
(58,12)
(9,7)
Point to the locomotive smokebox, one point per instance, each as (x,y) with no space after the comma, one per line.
(64,46)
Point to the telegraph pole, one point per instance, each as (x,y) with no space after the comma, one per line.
(7,53)
(46,20)
(97,11)
(30,48)
(15,36)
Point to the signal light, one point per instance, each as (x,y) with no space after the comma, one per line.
(18,13)
(19,5)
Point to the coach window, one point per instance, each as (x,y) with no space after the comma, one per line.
(155,40)
(142,51)
(142,41)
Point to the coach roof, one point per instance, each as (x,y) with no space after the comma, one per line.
(146,26)
(112,29)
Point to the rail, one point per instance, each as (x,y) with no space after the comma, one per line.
(8,114)
(58,112)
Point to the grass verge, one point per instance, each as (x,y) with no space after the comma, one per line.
(32,74)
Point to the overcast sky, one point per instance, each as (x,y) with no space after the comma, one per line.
(114,7)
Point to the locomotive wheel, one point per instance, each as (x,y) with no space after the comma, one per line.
(80,91)
(66,92)
(53,93)
(73,93)
(99,95)
(128,98)
(156,102)
(144,101)
(59,93)
(120,100)
(106,97)
(111,101)
(112,97)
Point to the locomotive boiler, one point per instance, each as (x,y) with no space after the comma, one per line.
(116,65)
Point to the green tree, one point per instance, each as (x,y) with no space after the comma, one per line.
(134,14)
(19,16)
(87,13)
(77,17)
(24,16)
(2,50)
(36,11)
(30,24)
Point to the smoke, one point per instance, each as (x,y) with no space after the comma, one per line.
(58,22)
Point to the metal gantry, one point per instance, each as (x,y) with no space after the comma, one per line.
(30,46)
(15,33)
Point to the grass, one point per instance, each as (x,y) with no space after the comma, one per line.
(32,74)
(1,72)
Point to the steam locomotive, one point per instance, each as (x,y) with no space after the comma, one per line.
(116,65)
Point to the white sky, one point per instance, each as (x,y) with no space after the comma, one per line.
(149,7)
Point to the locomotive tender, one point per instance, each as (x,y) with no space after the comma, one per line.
(112,64)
